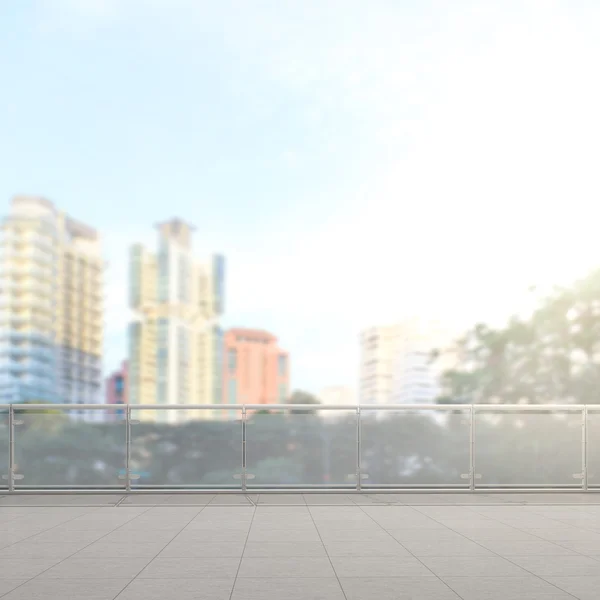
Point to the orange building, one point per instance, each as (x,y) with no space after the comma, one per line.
(255,369)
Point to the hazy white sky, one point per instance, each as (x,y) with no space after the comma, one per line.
(354,161)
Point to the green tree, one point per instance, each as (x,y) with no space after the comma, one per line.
(553,356)
(301,397)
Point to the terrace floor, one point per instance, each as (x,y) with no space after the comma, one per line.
(300,547)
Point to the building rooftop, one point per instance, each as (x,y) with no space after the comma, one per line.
(258,334)
(312,546)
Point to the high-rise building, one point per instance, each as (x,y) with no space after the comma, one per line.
(51,306)
(397,365)
(116,386)
(175,342)
(377,351)
(336,395)
(255,370)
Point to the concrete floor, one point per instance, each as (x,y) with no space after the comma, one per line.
(300,547)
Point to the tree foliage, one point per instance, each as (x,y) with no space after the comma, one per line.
(552,356)
(301,397)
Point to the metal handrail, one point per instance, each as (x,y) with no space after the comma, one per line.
(15,412)
(319,407)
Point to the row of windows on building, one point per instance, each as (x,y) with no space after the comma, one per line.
(232,362)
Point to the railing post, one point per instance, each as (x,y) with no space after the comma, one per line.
(128,449)
(243,448)
(11,449)
(472,449)
(358,451)
(584,452)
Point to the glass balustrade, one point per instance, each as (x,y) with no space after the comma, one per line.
(592,454)
(433,447)
(68,449)
(4,448)
(301,448)
(528,447)
(185,448)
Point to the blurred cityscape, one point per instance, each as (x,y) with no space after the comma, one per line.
(51,344)
(51,341)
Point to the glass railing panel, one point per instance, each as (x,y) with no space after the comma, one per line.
(415,448)
(73,448)
(593,446)
(4,448)
(528,448)
(179,448)
(300,448)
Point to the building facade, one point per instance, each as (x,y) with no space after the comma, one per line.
(256,370)
(175,353)
(51,306)
(378,347)
(397,365)
(116,386)
(337,395)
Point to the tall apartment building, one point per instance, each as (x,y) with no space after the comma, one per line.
(51,306)
(378,347)
(175,342)
(256,370)
(116,386)
(396,362)
(337,395)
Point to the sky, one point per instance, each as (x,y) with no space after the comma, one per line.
(356,162)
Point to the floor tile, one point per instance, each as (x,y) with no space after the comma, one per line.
(144,499)
(472,566)
(147,536)
(510,534)
(278,499)
(178,549)
(285,521)
(397,588)
(24,568)
(584,588)
(232,500)
(389,547)
(205,536)
(299,549)
(424,535)
(283,535)
(191,568)
(121,550)
(286,567)
(28,549)
(353,535)
(379,566)
(218,525)
(321,499)
(462,547)
(188,499)
(178,589)
(326,588)
(54,536)
(581,546)
(6,585)
(505,588)
(68,589)
(559,566)
(566,534)
(96,568)
(526,548)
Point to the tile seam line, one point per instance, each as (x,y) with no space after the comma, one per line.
(498,556)
(327,553)
(152,559)
(66,557)
(243,550)
(402,546)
